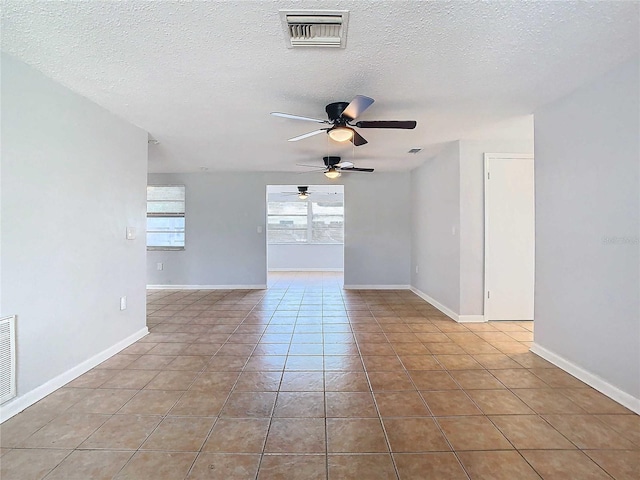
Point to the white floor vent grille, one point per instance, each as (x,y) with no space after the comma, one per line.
(7,358)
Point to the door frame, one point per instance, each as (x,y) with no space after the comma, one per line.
(487,158)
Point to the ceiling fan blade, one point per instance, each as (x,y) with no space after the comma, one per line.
(344,165)
(307,135)
(354,169)
(357,106)
(358,139)
(408,124)
(310,166)
(298,117)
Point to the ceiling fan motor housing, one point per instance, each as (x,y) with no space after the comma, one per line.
(334,110)
(331,161)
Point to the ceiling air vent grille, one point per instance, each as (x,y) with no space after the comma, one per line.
(322,28)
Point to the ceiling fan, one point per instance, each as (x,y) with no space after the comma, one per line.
(341,120)
(333,167)
(303,193)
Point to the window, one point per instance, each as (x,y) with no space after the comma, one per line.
(165,217)
(305,222)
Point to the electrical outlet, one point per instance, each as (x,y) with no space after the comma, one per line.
(416,268)
(160,266)
(123,303)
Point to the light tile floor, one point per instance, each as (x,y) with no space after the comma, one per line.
(307,381)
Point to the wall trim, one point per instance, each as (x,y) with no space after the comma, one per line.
(306,269)
(591,379)
(471,319)
(447,311)
(376,287)
(206,287)
(21,402)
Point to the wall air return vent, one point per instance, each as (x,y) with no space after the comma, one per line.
(7,358)
(315,28)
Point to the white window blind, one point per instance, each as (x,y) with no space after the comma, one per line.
(165,217)
(305,222)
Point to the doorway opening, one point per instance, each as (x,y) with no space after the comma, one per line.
(305,234)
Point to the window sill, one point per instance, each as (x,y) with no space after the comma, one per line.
(151,249)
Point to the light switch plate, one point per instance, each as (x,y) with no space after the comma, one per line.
(131,233)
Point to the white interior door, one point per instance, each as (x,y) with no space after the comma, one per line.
(509,237)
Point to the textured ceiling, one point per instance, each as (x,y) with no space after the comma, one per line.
(202,77)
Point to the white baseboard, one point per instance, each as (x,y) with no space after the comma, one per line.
(306,269)
(446,310)
(206,287)
(471,319)
(21,402)
(629,401)
(376,287)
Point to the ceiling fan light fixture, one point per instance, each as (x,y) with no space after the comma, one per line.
(303,196)
(332,173)
(341,134)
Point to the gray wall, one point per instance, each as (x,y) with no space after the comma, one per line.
(322,257)
(587,286)
(435,199)
(223,211)
(73,179)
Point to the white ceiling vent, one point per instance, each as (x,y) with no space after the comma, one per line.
(315,28)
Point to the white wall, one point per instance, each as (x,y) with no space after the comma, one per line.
(435,199)
(223,211)
(321,257)
(587,226)
(73,178)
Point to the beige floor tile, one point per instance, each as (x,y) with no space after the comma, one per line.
(167,349)
(408,435)
(450,403)
(158,466)
(530,432)
(227,363)
(400,404)
(249,404)
(17,429)
(547,400)
(172,380)
(210,466)
(620,464)
(214,381)
(390,381)
(184,434)
(90,464)
(92,379)
(258,382)
(133,379)
(103,400)
(123,432)
(200,404)
(33,464)
(355,435)
(564,464)
(499,402)
(151,402)
(150,362)
(458,362)
(189,363)
(299,404)
(293,467)
(626,425)
(296,435)
(238,435)
(473,433)
(476,379)
(496,361)
(343,363)
(588,432)
(593,401)
(557,378)
(518,378)
(66,431)
(118,361)
(302,382)
(345,382)
(350,404)
(497,465)
(436,465)
(359,467)
(433,380)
